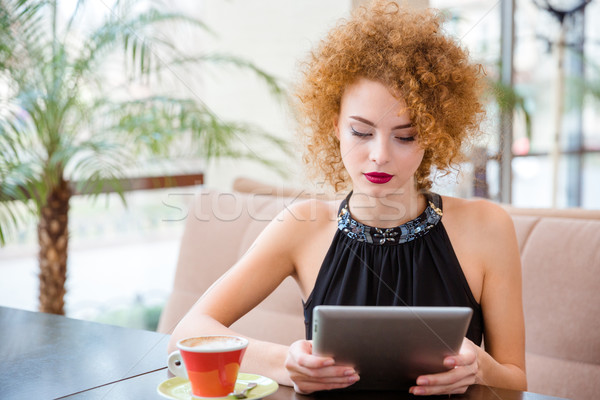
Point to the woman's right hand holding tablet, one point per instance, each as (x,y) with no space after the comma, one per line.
(310,373)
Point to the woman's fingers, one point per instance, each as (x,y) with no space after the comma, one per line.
(456,380)
(299,375)
(429,391)
(308,388)
(462,373)
(308,381)
(301,353)
(466,356)
(330,374)
(300,356)
(311,373)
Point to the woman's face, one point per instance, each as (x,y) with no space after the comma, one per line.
(377,140)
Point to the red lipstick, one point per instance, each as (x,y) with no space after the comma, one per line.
(378,177)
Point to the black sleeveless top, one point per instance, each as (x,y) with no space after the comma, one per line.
(410,265)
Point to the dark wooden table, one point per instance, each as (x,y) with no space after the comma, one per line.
(45,356)
(144,387)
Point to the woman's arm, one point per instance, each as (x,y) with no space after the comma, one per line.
(502,364)
(260,270)
(492,244)
(273,257)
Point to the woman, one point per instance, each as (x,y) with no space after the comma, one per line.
(386,98)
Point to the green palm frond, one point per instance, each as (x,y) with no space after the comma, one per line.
(131,31)
(20,23)
(19,176)
(59,119)
(158,123)
(510,100)
(228,59)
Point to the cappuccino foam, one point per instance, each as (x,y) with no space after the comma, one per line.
(213,343)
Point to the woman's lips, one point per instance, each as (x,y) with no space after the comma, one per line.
(378,177)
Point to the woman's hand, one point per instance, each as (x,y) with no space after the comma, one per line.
(462,373)
(311,373)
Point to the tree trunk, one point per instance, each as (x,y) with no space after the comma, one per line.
(53,237)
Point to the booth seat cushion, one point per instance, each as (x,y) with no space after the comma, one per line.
(561,301)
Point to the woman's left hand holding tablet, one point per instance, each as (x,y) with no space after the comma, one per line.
(462,373)
(311,373)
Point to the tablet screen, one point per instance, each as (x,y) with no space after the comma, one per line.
(389,346)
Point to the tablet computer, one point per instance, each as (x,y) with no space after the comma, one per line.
(389,346)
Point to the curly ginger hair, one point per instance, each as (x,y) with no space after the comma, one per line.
(407,52)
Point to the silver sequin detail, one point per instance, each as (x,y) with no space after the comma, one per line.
(400,234)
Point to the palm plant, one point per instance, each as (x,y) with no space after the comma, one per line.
(509,99)
(60,121)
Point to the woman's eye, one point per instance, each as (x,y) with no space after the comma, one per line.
(406,139)
(359,134)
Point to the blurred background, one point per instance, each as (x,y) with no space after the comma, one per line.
(540,147)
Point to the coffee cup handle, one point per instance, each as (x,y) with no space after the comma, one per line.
(176,365)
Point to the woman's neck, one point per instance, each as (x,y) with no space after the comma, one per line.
(388,211)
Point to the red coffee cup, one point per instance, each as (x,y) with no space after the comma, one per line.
(211,363)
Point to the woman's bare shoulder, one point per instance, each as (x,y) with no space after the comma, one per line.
(310,211)
(297,231)
(486,224)
(302,219)
(483,227)
(479,212)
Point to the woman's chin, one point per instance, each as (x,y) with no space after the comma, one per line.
(380,189)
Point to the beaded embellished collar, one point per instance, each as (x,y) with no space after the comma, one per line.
(387,236)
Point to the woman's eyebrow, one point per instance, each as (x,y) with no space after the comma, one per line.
(367,122)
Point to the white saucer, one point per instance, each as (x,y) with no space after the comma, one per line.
(179,388)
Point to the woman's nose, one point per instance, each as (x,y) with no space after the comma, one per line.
(380,151)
